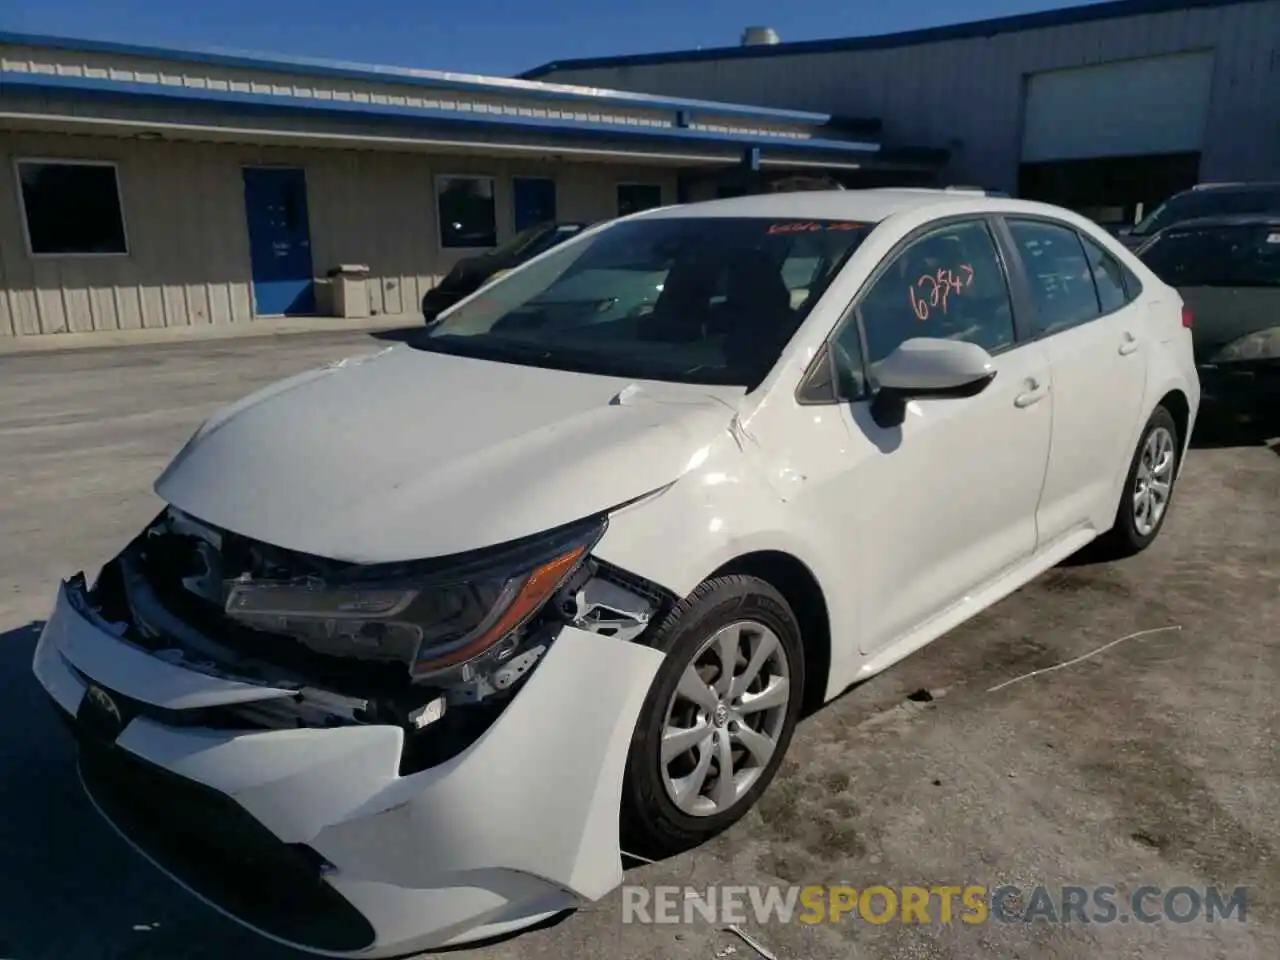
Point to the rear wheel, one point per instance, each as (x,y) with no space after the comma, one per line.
(1148,489)
(718,718)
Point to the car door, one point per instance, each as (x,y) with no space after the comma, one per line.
(1092,331)
(945,503)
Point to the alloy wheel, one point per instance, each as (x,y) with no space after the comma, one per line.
(1153,481)
(725,718)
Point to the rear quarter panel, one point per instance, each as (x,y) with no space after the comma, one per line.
(1171,364)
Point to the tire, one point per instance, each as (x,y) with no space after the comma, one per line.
(1131,535)
(654,825)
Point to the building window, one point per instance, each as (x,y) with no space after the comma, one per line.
(533,201)
(71,208)
(634,197)
(466,211)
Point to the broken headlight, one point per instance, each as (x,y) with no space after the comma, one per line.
(429,617)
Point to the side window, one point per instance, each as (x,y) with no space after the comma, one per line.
(1062,285)
(949,284)
(1108,277)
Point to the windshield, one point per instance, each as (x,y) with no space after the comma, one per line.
(1237,256)
(684,299)
(1207,203)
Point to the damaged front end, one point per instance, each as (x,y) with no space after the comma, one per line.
(435,647)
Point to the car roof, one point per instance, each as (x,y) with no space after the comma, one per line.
(1260,188)
(1225,220)
(865,206)
(1265,186)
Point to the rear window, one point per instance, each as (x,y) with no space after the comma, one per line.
(1239,256)
(1208,203)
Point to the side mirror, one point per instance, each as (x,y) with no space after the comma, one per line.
(928,367)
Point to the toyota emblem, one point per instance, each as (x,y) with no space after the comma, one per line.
(102,700)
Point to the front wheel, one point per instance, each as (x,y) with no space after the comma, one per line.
(718,718)
(1148,488)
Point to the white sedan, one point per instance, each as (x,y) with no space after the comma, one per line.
(423,640)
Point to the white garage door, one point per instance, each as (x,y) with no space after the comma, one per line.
(1128,108)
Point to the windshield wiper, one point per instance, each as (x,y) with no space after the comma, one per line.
(558,357)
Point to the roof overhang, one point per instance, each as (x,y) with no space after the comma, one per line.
(90,104)
(66,53)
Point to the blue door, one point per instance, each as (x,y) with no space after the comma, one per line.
(275,203)
(535,201)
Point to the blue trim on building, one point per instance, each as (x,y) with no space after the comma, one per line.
(437,79)
(237,104)
(977,29)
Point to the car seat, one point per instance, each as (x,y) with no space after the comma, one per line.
(756,318)
(682,309)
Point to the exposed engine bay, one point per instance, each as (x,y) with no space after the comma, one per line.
(348,646)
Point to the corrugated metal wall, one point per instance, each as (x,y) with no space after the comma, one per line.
(969,93)
(188,260)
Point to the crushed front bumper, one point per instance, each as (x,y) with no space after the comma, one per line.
(311,837)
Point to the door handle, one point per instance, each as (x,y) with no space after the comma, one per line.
(1034,393)
(1129,344)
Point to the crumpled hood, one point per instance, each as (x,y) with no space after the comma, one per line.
(410,454)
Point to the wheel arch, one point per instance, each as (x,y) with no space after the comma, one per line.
(1179,407)
(791,577)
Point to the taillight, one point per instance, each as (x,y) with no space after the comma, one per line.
(1188,319)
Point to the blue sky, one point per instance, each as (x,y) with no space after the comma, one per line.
(500,37)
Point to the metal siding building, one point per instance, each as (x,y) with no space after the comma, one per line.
(189,260)
(991,91)
(168,148)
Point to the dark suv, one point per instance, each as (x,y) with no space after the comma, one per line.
(1227,270)
(1206,200)
(471,274)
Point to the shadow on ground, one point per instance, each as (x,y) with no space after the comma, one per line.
(70,889)
(1216,429)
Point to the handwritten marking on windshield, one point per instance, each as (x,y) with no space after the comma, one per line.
(814,226)
(938,288)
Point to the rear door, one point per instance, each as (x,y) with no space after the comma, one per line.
(1092,330)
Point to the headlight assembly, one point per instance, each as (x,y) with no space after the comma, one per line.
(1262,345)
(429,618)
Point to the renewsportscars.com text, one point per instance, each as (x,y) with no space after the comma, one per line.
(971,904)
